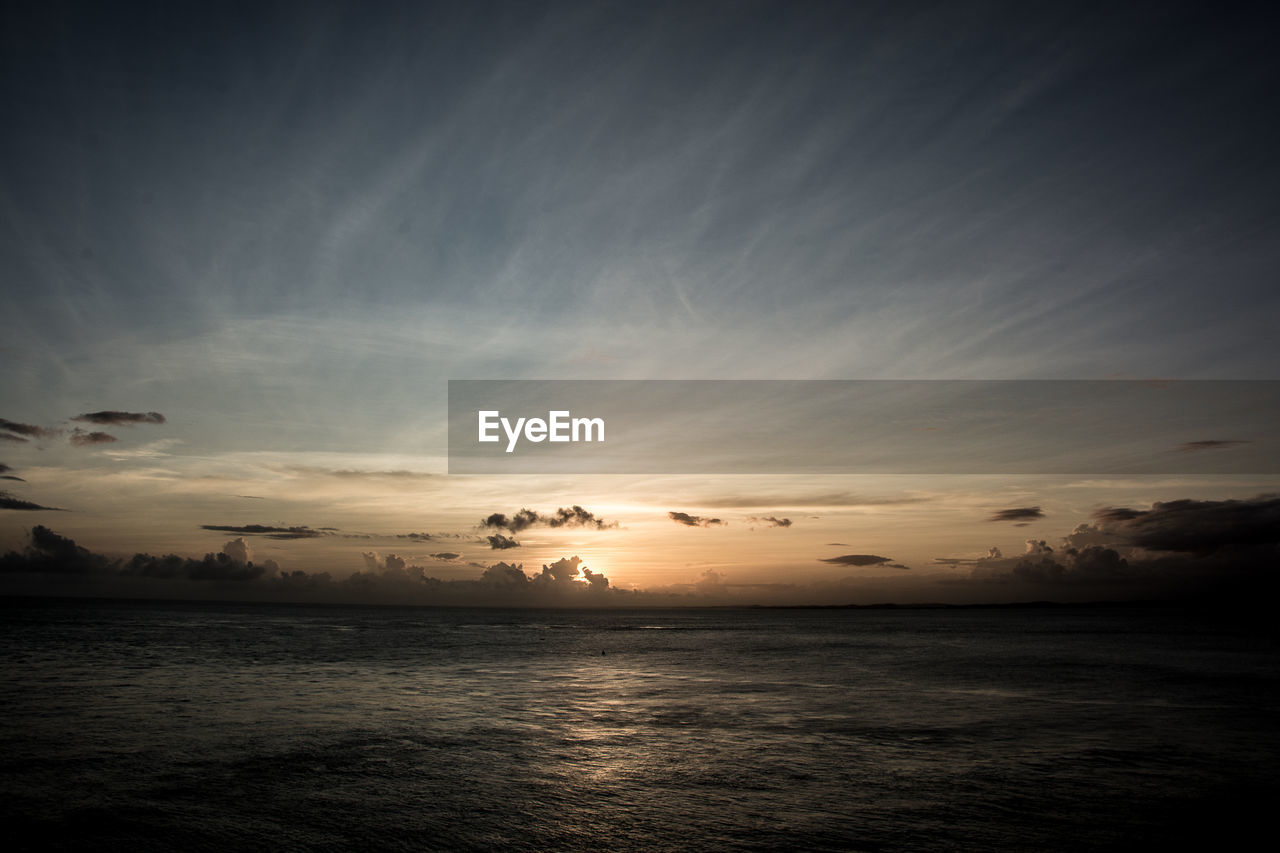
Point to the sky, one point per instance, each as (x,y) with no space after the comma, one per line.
(245,246)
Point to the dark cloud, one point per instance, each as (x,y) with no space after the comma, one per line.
(5,475)
(1021,513)
(447,556)
(498,542)
(859,560)
(770,521)
(1187,549)
(54,554)
(269,531)
(421,537)
(1198,527)
(522,520)
(120,418)
(80,438)
(1209,444)
(574,516)
(7,501)
(49,552)
(1041,563)
(22,432)
(693,520)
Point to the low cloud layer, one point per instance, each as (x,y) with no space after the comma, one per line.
(769,521)
(383,579)
(1182,548)
(49,553)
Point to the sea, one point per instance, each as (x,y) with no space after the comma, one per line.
(141,726)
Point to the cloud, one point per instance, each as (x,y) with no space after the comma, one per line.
(5,475)
(80,438)
(422,537)
(447,556)
(522,520)
(49,553)
(574,516)
(1193,526)
(1041,563)
(769,521)
(498,542)
(859,560)
(23,432)
(1209,444)
(693,520)
(270,531)
(120,418)
(7,501)
(238,550)
(1022,513)
(1188,548)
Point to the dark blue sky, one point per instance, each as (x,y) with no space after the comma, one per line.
(995,174)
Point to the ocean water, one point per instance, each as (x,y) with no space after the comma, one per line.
(158,726)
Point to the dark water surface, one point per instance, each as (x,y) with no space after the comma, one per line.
(150,726)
